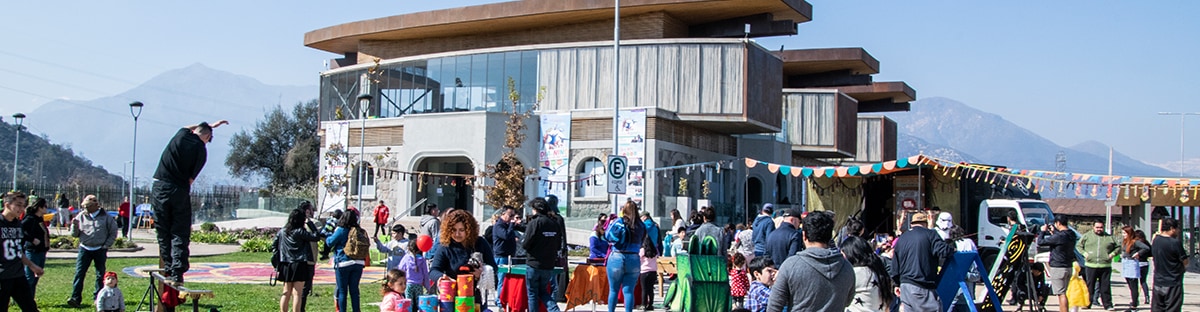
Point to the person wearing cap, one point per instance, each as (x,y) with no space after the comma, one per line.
(916,257)
(178,167)
(544,234)
(97,231)
(110,299)
(761,228)
(786,240)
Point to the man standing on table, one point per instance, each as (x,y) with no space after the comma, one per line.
(181,162)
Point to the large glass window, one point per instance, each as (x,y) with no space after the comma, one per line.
(477,82)
(364,178)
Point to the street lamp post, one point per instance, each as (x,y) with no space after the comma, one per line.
(1182,116)
(364,101)
(135,109)
(17,147)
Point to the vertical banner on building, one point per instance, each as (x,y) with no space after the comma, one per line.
(333,166)
(631,138)
(554,156)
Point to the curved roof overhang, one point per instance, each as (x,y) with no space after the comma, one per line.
(526,14)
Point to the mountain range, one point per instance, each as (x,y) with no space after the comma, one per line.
(102,129)
(951,130)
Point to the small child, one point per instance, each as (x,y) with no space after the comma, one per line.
(416,270)
(394,248)
(763,271)
(738,280)
(110,298)
(649,272)
(327,230)
(393,290)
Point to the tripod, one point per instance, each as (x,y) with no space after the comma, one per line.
(1027,293)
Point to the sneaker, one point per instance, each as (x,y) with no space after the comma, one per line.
(74,303)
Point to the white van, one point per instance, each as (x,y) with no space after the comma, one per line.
(993,223)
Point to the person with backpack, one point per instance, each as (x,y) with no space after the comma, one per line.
(350,249)
(623,264)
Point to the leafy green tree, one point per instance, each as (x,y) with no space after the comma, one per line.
(282,148)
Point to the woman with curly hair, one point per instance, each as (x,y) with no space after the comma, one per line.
(459,238)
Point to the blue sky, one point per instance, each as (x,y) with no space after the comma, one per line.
(1068,70)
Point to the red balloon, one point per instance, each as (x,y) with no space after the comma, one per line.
(424,242)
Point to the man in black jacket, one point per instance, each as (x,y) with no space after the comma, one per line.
(1061,241)
(785,241)
(916,257)
(178,167)
(542,237)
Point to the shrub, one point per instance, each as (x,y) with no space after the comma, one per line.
(267,232)
(213,238)
(63,242)
(209,227)
(121,242)
(257,245)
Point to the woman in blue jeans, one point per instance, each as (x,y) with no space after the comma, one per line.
(36,239)
(347,272)
(623,264)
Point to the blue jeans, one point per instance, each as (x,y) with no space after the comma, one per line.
(623,270)
(38,258)
(500,276)
(98,258)
(347,279)
(537,282)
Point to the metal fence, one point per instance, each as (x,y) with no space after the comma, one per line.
(213,204)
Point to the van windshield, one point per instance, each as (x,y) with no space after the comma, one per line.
(1036,213)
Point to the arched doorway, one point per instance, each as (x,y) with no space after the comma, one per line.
(754,191)
(445,191)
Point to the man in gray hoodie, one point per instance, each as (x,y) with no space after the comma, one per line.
(816,279)
(431,225)
(96,231)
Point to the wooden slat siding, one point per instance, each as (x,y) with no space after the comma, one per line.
(380,136)
(648,80)
(586,78)
(680,133)
(762,87)
(591,129)
(826,122)
(847,124)
(671,77)
(689,82)
(889,139)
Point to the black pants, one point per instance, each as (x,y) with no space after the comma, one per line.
(1167,298)
(18,290)
(1099,285)
(173,223)
(648,280)
(381,227)
(123,222)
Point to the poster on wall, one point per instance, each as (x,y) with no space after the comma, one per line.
(631,142)
(554,156)
(333,166)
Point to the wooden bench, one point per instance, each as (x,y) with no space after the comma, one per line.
(185,293)
(666,267)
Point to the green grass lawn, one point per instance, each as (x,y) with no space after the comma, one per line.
(55,287)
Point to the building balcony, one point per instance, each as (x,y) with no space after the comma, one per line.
(821,123)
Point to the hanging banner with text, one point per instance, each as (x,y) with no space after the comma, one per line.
(554,156)
(631,139)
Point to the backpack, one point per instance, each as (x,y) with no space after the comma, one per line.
(358,246)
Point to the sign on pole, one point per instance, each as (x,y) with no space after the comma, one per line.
(617,170)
